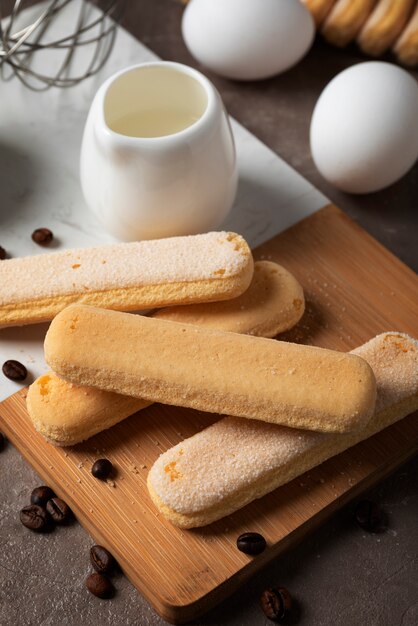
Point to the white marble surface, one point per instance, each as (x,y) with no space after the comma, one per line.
(40,136)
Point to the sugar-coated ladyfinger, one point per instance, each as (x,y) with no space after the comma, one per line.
(384,25)
(126,276)
(235,461)
(211,370)
(66,414)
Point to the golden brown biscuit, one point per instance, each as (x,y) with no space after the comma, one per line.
(345,20)
(66,414)
(211,370)
(406,47)
(127,276)
(235,461)
(273,303)
(384,25)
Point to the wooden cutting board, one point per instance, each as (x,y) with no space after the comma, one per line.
(354,289)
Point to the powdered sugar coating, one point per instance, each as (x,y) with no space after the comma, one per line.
(234,455)
(196,474)
(177,259)
(395,357)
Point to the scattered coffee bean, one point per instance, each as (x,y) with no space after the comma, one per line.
(2,442)
(370,516)
(3,254)
(276,603)
(58,510)
(41,495)
(100,586)
(14,370)
(42,236)
(35,518)
(102,469)
(251,543)
(101,559)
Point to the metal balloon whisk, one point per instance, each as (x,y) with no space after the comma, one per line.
(80,36)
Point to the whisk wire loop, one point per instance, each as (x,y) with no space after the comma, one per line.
(21,45)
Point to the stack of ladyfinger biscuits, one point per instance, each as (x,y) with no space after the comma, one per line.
(207,346)
(378,26)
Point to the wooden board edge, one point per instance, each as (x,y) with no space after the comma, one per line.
(185,613)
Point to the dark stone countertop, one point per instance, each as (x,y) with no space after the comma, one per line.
(341,575)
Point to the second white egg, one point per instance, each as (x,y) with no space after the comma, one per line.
(364,129)
(247,39)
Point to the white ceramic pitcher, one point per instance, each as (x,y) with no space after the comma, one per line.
(158,156)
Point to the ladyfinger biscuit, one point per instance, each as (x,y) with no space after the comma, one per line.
(273,303)
(66,414)
(211,370)
(126,276)
(384,25)
(345,20)
(235,461)
(319,9)
(406,47)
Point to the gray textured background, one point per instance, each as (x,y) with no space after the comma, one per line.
(340,575)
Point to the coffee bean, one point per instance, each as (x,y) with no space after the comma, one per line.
(370,516)
(251,543)
(276,603)
(14,370)
(3,254)
(41,495)
(101,559)
(100,586)
(102,469)
(58,510)
(286,600)
(42,236)
(35,518)
(271,603)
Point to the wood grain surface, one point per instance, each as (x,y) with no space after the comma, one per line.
(354,289)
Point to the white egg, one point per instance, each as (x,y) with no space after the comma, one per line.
(247,39)
(364,129)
